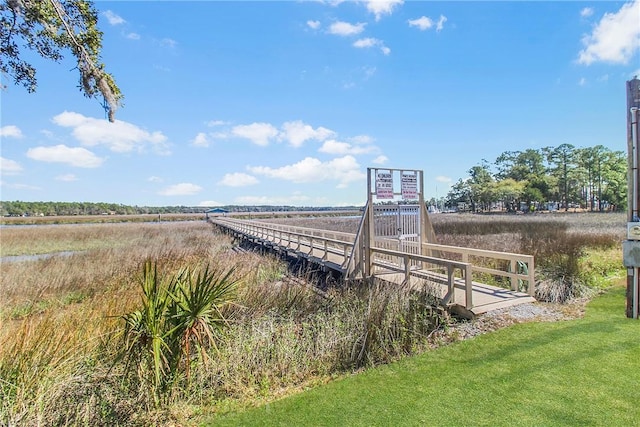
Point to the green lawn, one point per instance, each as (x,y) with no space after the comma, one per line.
(583,372)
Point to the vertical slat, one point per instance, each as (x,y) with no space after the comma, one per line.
(407,270)
(532,279)
(468,287)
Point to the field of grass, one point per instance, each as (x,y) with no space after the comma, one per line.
(581,372)
(61,333)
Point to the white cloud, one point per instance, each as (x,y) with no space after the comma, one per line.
(444,179)
(582,82)
(113,18)
(440,23)
(200,140)
(341,28)
(77,156)
(343,170)
(155,179)
(603,78)
(162,68)
(238,180)
(372,42)
(20,186)
(368,42)
(382,7)
(331,2)
(214,123)
(9,167)
(209,203)
(167,42)
(586,12)
(10,131)
(313,24)
(69,177)
(183,189)
(380,160)
(133,36)
(297,133)
(341,148)
(258,133)
(423,23)
(369,71)
(615,39)
(119,136)
(361,139)
(295,199)
(219,135)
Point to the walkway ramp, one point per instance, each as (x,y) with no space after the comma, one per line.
(454,273)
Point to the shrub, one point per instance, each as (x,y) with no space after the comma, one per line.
(179,316)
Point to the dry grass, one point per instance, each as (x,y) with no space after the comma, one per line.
(61,316)
(61,320)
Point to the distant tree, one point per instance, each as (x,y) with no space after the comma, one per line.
(525,165)
(603,176)
(460,193)
(509,192)
(562,160)
(481,186)
(48,27)
(614,179)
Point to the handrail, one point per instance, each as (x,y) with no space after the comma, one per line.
(513,259)
(464,267)
(330,242)
(276,233)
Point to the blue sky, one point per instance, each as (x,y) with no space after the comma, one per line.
(289,102)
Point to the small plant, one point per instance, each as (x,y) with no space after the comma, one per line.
(180,316)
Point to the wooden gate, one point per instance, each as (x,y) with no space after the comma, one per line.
(397,227)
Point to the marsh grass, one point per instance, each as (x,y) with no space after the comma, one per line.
(62,328)
(62,324)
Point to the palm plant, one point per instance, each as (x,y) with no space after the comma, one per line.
(177,314)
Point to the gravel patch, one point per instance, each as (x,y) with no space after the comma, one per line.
(504,317)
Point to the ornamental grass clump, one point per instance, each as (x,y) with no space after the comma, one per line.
(179,321)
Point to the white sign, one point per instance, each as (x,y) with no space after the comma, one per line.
(384,185)
(409,186)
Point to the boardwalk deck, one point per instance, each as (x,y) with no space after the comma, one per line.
(452,280)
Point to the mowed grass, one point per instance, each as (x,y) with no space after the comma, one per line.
(582,372)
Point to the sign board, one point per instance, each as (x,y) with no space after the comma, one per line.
(384,185)
(409,186)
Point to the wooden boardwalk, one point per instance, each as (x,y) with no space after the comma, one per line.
(453,280)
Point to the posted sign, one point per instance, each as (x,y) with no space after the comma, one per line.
(384,185)
(409,186)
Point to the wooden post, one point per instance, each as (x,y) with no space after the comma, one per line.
(514,279)
(633,199)
(468,287)
(532,279)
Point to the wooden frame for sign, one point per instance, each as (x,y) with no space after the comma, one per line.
(412,185)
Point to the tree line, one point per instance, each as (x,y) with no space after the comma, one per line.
(563,177)
(21,208)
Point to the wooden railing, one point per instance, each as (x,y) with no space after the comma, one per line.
(302,239)
(520,269)
(408,262)
(451,265)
